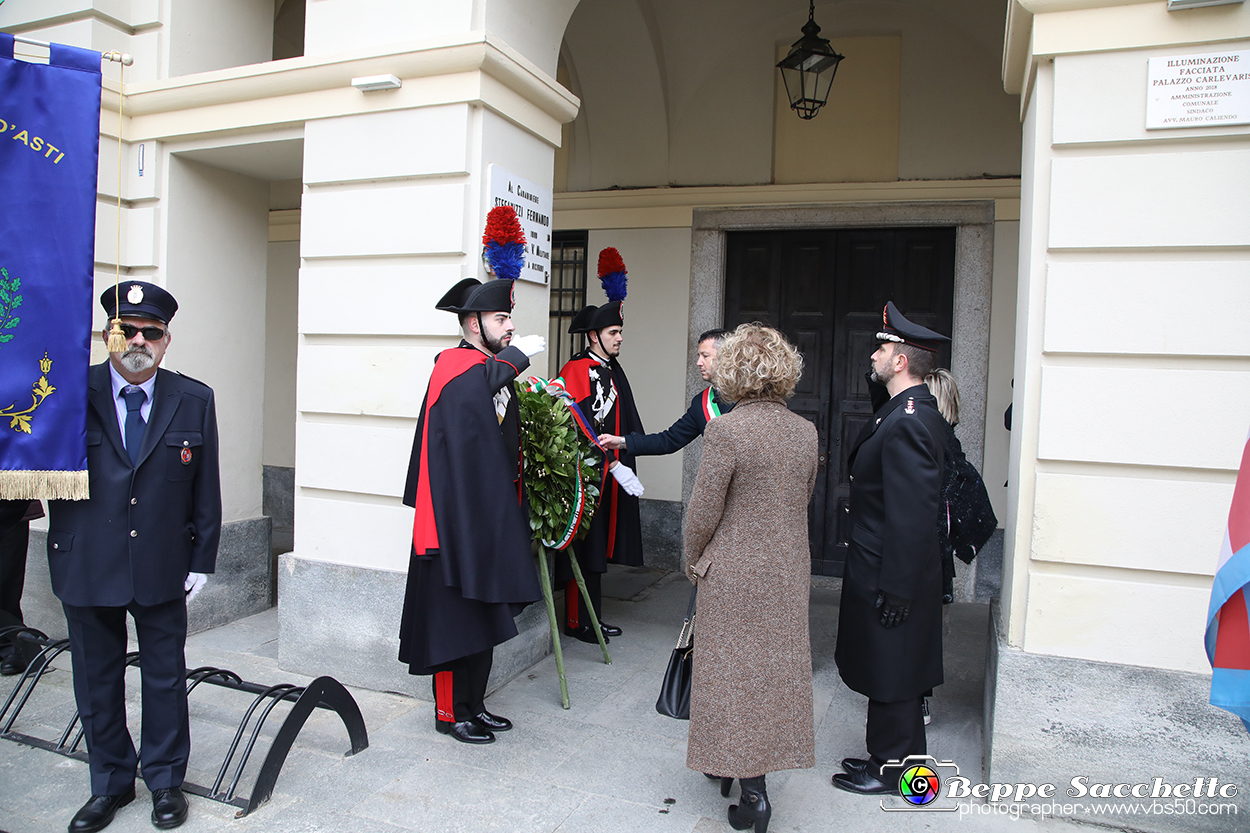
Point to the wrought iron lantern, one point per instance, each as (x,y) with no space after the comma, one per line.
(808,70)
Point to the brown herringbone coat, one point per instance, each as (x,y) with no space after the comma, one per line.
(751,700)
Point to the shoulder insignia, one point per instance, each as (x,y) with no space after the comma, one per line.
(911,405)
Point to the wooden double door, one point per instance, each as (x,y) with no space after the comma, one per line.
(825,289)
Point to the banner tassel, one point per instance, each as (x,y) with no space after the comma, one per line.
(117,341)
(49,485)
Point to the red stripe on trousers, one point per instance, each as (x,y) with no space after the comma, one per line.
(444,702)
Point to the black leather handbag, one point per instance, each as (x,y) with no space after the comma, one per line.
(674,699)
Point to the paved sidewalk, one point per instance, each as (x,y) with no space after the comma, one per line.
(608,764)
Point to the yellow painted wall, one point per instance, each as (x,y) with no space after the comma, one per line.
(854,138)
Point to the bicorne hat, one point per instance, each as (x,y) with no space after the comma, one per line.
(471,295)
(503,249)
(615,282)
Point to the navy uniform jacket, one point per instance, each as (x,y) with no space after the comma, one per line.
(144,527)
(896,482)
(680,433)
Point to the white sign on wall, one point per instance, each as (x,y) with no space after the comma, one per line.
(1198,90)
(532,204)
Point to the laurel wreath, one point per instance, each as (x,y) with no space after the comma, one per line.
(562,469)
(562,479)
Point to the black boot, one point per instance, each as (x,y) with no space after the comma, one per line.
(753,807)
(725,783)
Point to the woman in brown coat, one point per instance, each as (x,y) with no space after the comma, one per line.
(746,548)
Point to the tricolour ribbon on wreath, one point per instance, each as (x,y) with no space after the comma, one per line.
(544,507)
(555,388)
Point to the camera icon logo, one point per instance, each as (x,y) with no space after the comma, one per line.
(920,783)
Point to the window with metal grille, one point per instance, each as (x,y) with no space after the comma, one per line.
(568,295)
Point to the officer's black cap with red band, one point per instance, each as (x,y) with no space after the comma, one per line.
(896,328)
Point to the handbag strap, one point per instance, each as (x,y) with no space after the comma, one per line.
(687,626)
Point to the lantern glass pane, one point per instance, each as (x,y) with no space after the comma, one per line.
(823,82)
(791,79)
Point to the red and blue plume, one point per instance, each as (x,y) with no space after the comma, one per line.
(612,274)
(505,243)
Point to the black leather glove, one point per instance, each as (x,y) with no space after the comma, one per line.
(894,609)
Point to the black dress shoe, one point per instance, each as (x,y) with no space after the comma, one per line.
(854,765)
(466,731)
(492,722)
(13,664)
(98,812)
(586,634)
(862,782)
(169,807)
(609,630)
(725,783)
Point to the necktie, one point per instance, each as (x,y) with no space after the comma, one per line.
(135,425)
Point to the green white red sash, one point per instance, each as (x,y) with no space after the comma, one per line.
(710,409)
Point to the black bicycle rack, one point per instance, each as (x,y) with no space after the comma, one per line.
(323,693)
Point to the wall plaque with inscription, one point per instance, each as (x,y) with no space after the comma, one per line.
(532,204)
(1198,90)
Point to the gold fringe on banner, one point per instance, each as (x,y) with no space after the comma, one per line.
(44,485)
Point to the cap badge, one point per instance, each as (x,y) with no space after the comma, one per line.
(135,295)
(911,405)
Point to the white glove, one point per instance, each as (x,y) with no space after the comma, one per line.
(530,345)
(194,583)
(628,480)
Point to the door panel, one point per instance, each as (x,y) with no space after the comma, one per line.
(825,289)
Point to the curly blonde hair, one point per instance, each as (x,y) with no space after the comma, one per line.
(757,362)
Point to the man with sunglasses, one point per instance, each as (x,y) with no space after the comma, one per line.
(143,543)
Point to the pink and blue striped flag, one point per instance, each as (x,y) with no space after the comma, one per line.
(1228,620)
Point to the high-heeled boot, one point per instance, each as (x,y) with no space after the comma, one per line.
(726,784)
(752,808)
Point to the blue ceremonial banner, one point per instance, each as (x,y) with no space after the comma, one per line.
(49,153)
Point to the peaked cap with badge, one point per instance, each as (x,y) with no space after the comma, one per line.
(139,299)
(896,328)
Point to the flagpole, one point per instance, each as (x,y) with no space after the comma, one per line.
(117,57)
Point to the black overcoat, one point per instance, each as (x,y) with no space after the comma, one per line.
(615,534)
(896,481)
(473,570)
(147,526)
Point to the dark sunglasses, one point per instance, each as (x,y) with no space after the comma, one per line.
(149,333)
